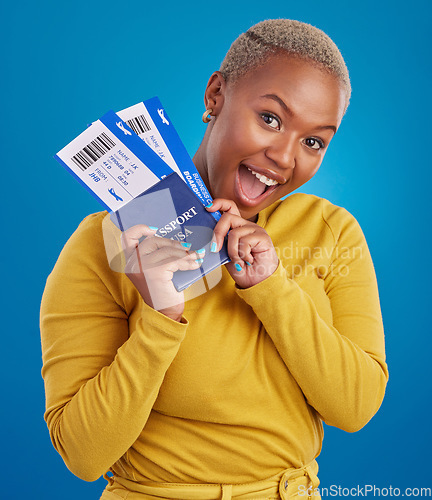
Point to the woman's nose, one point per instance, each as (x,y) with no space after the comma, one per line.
(282,151)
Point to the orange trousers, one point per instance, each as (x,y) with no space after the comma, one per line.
(290,483)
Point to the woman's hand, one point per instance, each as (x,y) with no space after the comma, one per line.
(150,265)
(250,248)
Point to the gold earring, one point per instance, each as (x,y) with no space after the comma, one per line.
(206,116)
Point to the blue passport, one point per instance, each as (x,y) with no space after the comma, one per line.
(179,214)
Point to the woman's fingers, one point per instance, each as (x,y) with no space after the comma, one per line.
(225,224)
(161,248)
(162,255)
(144,237)
(240,242)
(229,220)
(167,267)
(223,205)
(131,238)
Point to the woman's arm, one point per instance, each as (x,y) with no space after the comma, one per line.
(340,367)
(101,379)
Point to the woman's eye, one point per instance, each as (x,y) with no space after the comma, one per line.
(314,143)
(271,120)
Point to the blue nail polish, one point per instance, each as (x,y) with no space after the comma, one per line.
(209,205)
(199,261)
(186,245)
(248,263)
(213,247)
(238,267)
(201,250)
(153,228)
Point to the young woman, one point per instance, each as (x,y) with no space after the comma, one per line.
(223,395)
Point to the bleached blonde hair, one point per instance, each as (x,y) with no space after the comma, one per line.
(275,36)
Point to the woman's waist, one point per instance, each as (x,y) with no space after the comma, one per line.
(287,483)
(178,450)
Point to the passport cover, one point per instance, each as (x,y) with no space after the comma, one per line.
(179,214)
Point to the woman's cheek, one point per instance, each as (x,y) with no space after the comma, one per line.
(249,139)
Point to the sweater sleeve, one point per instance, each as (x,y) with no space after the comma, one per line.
(101,380)
(340,367)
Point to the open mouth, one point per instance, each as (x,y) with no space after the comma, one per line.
(252,187)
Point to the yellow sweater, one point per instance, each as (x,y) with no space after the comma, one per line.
(236,392)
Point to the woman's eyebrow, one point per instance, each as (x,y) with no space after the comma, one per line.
(278,100)
(290,113)
(323,127)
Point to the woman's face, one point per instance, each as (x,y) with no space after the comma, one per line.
(270,131)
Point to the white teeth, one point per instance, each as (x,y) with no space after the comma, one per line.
(265,180)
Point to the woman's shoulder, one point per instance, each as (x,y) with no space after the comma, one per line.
(91,229)
(91,223)
(86,243)
(311,212)
(301,205)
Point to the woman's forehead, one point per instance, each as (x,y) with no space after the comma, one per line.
(300,84)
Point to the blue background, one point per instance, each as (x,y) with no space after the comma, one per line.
(65,64)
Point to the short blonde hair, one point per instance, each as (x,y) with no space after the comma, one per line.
(297,39)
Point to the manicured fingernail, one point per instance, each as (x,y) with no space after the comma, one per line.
(153,228)
(186,245)
(238,267)
(199,261)
(213,247)
(201,250)
(248,263)
(210,204)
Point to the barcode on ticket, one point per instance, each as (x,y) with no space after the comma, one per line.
(93,151)
(139,124)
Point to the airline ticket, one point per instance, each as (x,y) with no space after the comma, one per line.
(112,162)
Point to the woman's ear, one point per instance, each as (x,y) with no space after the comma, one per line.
(215,93)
